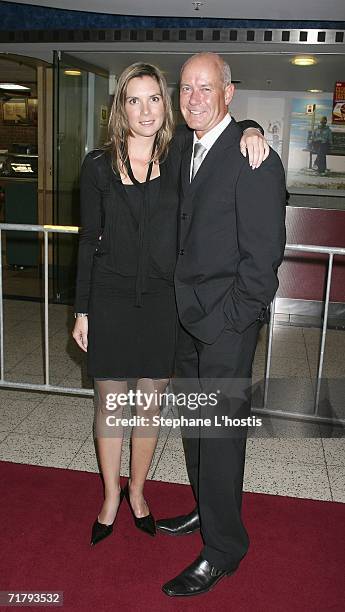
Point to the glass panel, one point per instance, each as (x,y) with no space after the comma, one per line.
(80,96)
(19,179)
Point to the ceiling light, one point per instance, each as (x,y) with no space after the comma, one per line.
(13,87)
(304,60)
(315,90)
(73,72)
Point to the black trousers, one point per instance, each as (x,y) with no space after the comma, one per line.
(215,455)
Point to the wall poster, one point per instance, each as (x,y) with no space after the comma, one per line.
(339,103)
(269,112)
(317,148)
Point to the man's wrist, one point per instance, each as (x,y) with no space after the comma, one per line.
(79,315)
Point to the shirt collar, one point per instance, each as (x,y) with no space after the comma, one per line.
(210,137)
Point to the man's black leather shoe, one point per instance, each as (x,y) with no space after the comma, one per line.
(180,525)
(197,578)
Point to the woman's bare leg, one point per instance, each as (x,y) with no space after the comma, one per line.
(144,441)
(109,445)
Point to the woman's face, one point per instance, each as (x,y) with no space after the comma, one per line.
(144,106)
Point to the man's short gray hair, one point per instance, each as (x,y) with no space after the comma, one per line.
(226,73)
(224,66)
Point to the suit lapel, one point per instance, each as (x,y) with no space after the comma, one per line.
(185,169)
(228,138)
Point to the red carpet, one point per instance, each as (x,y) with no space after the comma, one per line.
(295,562)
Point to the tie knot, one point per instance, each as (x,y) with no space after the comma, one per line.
(199,150)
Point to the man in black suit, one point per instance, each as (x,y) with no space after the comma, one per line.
(232,242)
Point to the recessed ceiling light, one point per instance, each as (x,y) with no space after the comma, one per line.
(304,60)
(71,72)
(315,90)
(14,87)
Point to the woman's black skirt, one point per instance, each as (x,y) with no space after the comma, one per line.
(126,341)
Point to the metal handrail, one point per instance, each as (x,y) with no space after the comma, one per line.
(331,251)
(66,229)
(46,230)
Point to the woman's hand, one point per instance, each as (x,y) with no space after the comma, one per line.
(255,143)
(79,332)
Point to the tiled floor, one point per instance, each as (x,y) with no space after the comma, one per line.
(291,458)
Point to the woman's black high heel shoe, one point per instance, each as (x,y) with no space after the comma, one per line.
(100,531)
(144,523)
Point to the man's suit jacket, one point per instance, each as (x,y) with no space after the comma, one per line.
(232,239)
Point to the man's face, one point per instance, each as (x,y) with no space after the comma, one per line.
(203,99)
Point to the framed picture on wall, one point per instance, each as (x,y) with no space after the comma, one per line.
(269,111)
(317,149)
(103,116)
(15,110)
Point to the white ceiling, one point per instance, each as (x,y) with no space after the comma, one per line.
(265,71)
(318,10)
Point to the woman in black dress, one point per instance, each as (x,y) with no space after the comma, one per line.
(125,305)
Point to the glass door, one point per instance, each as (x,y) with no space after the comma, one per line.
(81,102)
